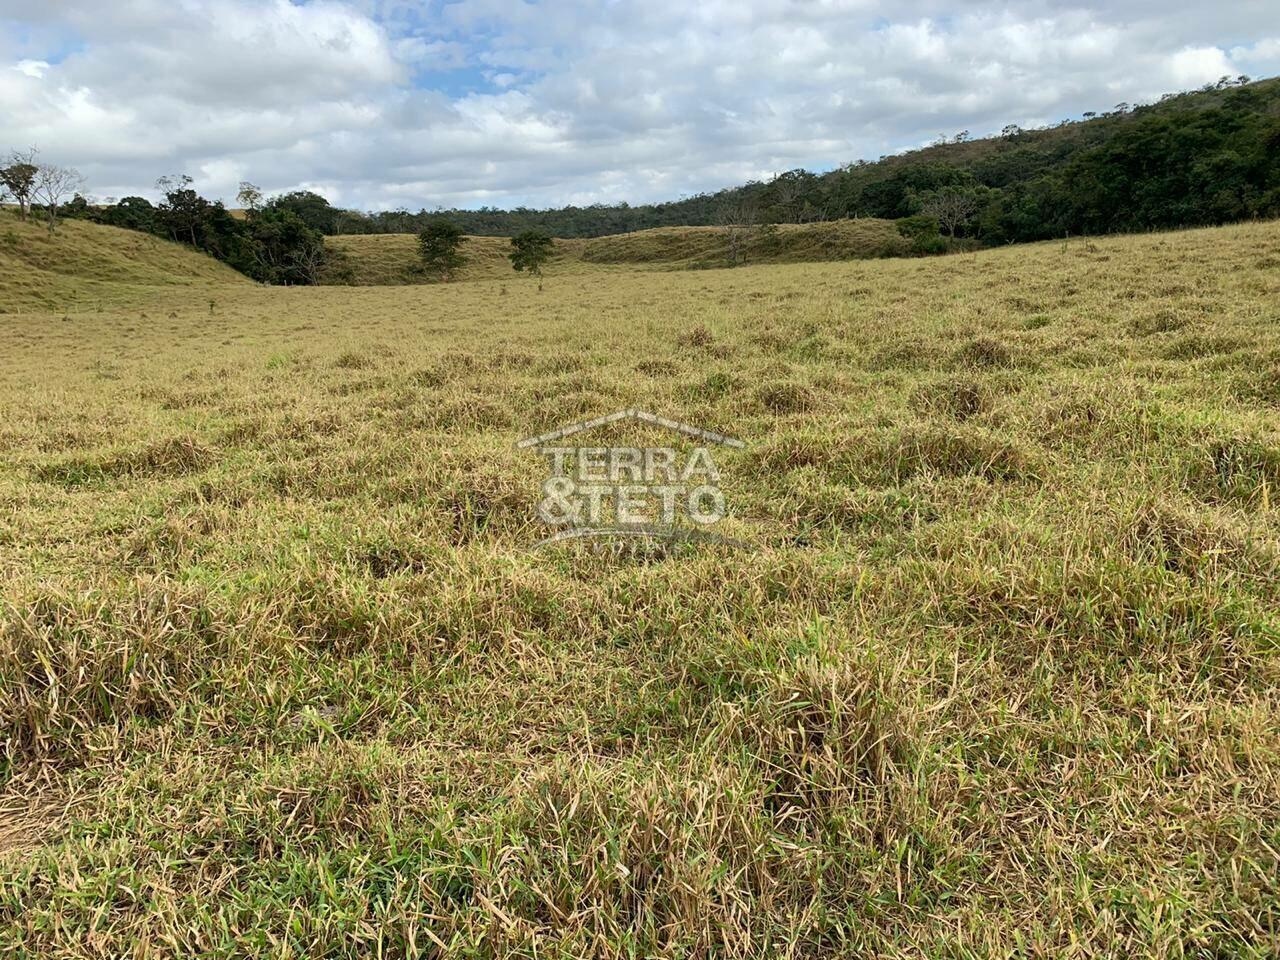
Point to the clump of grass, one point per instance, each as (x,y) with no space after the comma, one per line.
(959,399)
(71,664)
(950,452)
(984,352)
(714,386)
(1161,319)
(786,396)
(653,367)
(813,504)
(902,355)
(388,559)
(353,360)
(888,457)
(1194,346)
(1261,385)
(1241,469)
(826,738)
(697,336)
(172,457)
(1198,548)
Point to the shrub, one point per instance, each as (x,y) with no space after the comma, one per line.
(924,233)
(438,245)
(530,250)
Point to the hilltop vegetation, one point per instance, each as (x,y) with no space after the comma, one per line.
(1193,159)
(999,676)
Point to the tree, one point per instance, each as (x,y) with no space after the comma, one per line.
(438,245)
(314,210)
(788,194)
(269,244)
(77,209)
(249,197)
(285,250)
(350,221)
(53,185)
(530,250)
(132,213)
(18,177)
(183,209)
(952,207)
(737,217)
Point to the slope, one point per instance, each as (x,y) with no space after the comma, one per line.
(392,259)
(700,247)
(87,262)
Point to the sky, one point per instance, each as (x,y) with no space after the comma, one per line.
(379,104)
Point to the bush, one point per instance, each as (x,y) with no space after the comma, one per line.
(924,233)
(929,246)
(921,225)
(438,246)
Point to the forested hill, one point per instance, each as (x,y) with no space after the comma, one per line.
(1192,159)
(1207,157)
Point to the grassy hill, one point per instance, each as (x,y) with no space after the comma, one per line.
(998,675)
(392,259)
(678,247)
(85,263)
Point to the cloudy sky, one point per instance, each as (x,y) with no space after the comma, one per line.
(386,103)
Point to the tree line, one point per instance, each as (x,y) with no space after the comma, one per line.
(1201,158)
(268,241)
(265,240)
(37,187)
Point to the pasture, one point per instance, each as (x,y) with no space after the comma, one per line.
(998,675)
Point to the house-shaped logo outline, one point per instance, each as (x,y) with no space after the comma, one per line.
(631,413)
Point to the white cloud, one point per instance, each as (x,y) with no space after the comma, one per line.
(32,68)
(573,99)
(1263,52)
(1198,65)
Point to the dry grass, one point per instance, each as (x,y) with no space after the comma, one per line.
(84,266)
(707,247)
(280,676)
(392,259)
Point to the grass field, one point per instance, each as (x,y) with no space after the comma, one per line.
(392,259)
(999,676)
(86,266)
